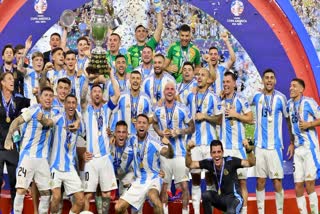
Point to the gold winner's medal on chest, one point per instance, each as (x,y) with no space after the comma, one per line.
(141,165)
(219,191)
(69,146)
(133,120)
(8,120)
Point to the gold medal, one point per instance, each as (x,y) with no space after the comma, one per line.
(133,120)
(219,191)
(8,120)
(141,165)
(69,145)
(154,100)
(231,122)
(99,133)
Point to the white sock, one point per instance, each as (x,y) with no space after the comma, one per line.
(44,204)
(196,197)
(185,211)
(18,204)
(302,204)
(313,198)
(279,201)
(244,210)
(260,200)
(165,208)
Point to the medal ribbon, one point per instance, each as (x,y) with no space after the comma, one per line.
(81,62)
(297,109)
(185,87)
(124,83)
(99,119)
(5,70)
(69,133)
(144,143)
(198,106)
(169,116)
(156,89)
(221,175)
(266,101)
(7,105)
(134,106)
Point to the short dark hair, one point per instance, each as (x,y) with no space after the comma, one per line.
(300,82)
(121,123)
(185,28)
(70,95)
(147,46)
(96,85)
(144,116)
(115,34)
(216,143)
(188,63)
(139,26)
(46,88)
(159,55)
(136,72)
(229,73)
(56,49)
(83,38)
(64,80)
(55,34)
(18,47)
(119,56)
(37,54)
(269,70)
(6,47)
(69,52)
(213,48)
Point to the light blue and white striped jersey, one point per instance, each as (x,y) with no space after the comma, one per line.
(306,109)
(176,117)
(232,132)
(36,139)
(183,90)
(268,127)
(130,107)
(77,85)
(124,85)
(144,157)
(96,123)
(217,86)
(31,81)
(82,64)
(210,104)
(63,152)
(154,87)
(54,76)
(120,157)
(57,105)
(144,72)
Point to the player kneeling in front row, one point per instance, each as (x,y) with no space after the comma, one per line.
(227,196)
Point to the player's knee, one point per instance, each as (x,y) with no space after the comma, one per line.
(21,191)
(119,207)
(80,201)
(261,183)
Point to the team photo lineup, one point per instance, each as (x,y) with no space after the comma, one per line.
(147,122)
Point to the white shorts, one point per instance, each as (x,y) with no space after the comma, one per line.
(238,153)
(81,142)
(126,181)
(70,180)
(304,164)
(99,171)
(174,167)
(199,153)
(36,169)
(269,163)
(137,193)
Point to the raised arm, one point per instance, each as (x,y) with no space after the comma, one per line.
(8,144)
(116,88)
(251,160)
(27,46)
(44,121)
(159,27)
(188,161)
(232,58)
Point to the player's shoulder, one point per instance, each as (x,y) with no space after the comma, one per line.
(281,95)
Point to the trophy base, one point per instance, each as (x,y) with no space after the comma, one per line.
(99,50)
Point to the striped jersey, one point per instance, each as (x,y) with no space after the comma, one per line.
(144,72)
(36,139)
(217,86)
(54,76)
(144,156)
(130,107)
(208,103)
(31,81)
(63,150)
(124,85)
(57,105)
(184,89)
(96,123)
(119,156)
(175,118)
(270,110)
(154,87)
(82,64)
(306,109)
(232,131)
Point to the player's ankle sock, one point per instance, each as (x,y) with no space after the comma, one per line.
(185,211)
(279,201)
(302,205)
(18,203)
(260,200)
(313,198)
(165,208)
(44,204)
(196,197)
(244,210)
(105,204)
(98,200)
